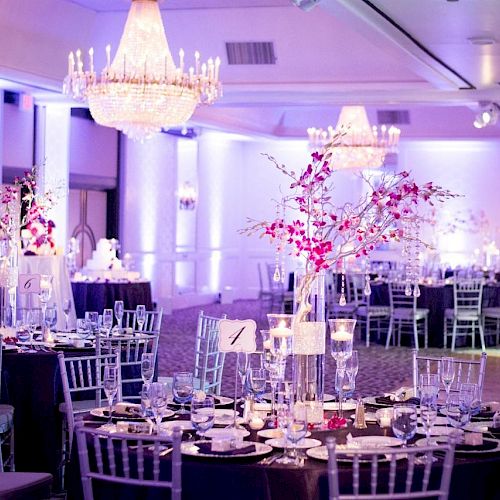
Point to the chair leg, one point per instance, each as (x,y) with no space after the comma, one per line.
(481,335)
(453,334)
(473,335)
(389,333)
(426,332)
(367,331)
(415,333)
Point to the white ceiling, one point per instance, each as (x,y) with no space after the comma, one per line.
(390,54)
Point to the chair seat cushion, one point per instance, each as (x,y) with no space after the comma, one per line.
(462,314)
(402,313)
(25,485)
(492,312)
(6,418)
(80,406)
(373,311)
(348,308)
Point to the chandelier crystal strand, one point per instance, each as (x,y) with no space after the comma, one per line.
(360,144)
(142,91)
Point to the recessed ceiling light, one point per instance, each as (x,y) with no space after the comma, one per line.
(481,40)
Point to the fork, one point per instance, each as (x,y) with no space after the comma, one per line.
(270,460)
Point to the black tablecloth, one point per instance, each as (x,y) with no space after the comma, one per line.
(436,299)
(245,479)
(99,296)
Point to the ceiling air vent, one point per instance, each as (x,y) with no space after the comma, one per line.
(390,117)
(250,53)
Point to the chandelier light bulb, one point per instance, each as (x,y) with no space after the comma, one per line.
(141,91)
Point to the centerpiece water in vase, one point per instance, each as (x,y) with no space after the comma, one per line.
(309,345)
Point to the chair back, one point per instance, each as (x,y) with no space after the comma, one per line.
(466,370)
(398,298)
(356,287)
(109,457)
(467,296)
(209,361)
(83,374)
(131,348)
(399,483)
(152,324)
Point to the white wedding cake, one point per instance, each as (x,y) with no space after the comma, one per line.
(104,257)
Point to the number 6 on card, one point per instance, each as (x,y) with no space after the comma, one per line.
(237,335)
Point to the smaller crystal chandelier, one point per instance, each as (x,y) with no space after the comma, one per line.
(359,145)
(142,91)
(187,196)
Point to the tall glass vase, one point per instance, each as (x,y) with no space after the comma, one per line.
(309,348)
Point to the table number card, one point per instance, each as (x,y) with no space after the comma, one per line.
(29,283)
(237,335)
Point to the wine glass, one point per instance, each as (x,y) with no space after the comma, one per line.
(428,414)
(257,382)
(45,291)
(447,373)
(183,389)
(50,318)
(457,412)
(22,331)
(158,398)
(33,320)
(110,386)
(83,328)
(296,429)
(146,410)
(203,414)
(147,367)
(119,313)
(92,318)
(107,320)
(404,421)
(468,395)
(140,316)
(66,310)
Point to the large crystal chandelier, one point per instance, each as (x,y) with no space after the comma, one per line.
(142,91)
(359,145)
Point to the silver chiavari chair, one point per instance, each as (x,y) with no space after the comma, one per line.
(398,483)
(108,458)
(79,375)
(152,324)
(466,370)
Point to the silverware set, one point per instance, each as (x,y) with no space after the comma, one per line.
(270,460)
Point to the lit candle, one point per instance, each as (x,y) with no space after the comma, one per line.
(217,67)
(210,69)
(79,65)
(108,57)
(203,70)
(385,421)
(197,62)
(191,74)
(281,331)
(267,344)
(71,63)
(181,60)
(91,55)
(341,336)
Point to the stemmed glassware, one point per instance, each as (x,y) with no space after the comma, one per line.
(110,386)
(341,341)
(183,389)
(447,373)
(140,316)
(158,399)
(457,411)
(276,369)
(404,421)
(147,367)
(66,310)
(107,320)
(428,392)
(203,414)
(92,318)
(242,363)
(119,314)
(50,319)
(33,320)
(83,328)
(256,378)
(296,429)
(45,293)
(351,371)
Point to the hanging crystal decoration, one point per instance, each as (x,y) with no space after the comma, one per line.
(368,288)
(342,300)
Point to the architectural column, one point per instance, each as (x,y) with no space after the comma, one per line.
(52,157)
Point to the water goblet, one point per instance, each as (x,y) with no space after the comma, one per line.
(457,412)
(158,398)
(22,331)
(182,389)
(147,367)
(110,383)
(447,373)
(202,413)
(296,429)
(428,385)
(83,328)
(146,410)
(33,320)
(404,421)
(66,310)
(257,382)
(92,318)
(118,308)
(140,316)
(107,320)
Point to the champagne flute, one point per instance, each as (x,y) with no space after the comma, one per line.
(183,389)
(66,310)
(119,313)
(107,320)
(404,422)
(203,414)
(296,429)
(110,386)
(447,373)
(147,367)
(140,316)
(428,414)
(158,398)
(242,362)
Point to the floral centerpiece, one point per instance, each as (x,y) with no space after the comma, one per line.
(325,234)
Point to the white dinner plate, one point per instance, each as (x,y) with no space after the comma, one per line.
(218,432)
(190,448)
(326,397)
(376,441)
(438,431)
(9,347)
(303,444)
(274,433)
(481,426)
(333,406)
(318,452)
(223,417)
(103,413)
(185,425)
(458,450)
(438,421)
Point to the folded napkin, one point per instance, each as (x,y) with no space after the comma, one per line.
(389,400)
(124,412)
(484,414)
(206,448)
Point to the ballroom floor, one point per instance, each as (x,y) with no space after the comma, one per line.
(380,369)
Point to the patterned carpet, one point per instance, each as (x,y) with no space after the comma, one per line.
(380,369)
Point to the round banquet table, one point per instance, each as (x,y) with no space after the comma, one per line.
(96,296)
(436,298)
(245,479)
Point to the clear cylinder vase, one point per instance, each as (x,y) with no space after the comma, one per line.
(309,350)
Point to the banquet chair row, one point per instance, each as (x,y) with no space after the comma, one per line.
(399,483)
(108,458)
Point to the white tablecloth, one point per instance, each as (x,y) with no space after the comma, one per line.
(61,285)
